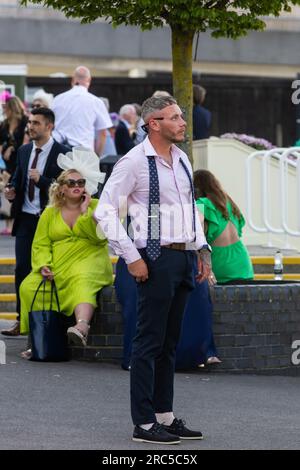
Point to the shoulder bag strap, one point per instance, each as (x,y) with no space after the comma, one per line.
(54,289)
(36,292)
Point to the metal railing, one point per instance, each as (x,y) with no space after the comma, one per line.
(285,162)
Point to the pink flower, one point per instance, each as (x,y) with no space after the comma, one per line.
(256,142)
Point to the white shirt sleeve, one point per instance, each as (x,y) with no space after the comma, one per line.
(114,196)
(103,120)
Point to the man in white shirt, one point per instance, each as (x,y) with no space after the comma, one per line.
(81,118)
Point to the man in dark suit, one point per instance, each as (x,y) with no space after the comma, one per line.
(36,169)
(123,139)
(201,115)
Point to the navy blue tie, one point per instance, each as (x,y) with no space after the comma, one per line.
(153,241)
(153,249)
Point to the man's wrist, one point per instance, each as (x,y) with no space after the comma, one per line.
(205,247)
(205,254)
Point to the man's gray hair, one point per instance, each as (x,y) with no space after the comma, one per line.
(156,103)
(126,109)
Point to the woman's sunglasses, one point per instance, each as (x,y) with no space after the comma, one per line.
(73,183)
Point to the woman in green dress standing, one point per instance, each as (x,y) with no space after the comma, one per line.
(223,223)
(66,248)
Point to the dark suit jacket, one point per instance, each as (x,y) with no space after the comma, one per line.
(123,141)
(50,173)
(201,122)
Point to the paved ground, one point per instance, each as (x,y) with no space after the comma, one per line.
(77,405)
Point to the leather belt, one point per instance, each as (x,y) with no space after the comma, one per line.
(176,246)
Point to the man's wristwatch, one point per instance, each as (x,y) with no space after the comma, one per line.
(205,247)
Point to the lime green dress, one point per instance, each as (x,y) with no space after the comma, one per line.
(230,262)
(78,258)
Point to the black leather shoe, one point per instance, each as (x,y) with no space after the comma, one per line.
(179,429)
(156,434)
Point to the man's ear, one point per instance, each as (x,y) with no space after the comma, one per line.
(154,125)
(50,126)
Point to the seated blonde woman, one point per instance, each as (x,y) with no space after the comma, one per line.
(67,249)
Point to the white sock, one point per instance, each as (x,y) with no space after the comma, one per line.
(165,418)
(146,426)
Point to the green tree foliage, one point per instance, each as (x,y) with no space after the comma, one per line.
(223,18)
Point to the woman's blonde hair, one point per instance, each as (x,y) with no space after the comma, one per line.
(56,197)
(15,105)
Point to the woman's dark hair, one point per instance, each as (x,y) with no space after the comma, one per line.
(207,185)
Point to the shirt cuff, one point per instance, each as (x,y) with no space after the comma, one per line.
(132,255)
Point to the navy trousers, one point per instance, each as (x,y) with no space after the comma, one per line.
(196,342)
(27,224)
(126,292)
(160,305)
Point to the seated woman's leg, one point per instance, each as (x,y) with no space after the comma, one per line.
(78,334)
(196,343)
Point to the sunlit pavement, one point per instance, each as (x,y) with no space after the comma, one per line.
(81,405)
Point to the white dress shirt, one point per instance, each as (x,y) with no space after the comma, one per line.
(128,188)
(34,206)
(78,114)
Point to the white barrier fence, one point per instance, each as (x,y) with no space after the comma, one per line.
(273,202)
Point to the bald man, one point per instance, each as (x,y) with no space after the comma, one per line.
(81,118)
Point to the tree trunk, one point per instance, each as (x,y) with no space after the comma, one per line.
(182,51)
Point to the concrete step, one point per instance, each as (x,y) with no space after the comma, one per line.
(8,315)
(7,266)
(286,277)
(7,284)
(261,250)
(263,269)
(265,264)
(9,307)
(8,302)
(8,297)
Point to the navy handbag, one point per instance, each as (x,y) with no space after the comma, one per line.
(48,330)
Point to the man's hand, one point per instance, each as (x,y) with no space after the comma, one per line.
(139,270)
(204,266)
(212,279)
(47,273)
(34,175)
(9,193)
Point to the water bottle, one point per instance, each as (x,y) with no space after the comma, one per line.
(278,266)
